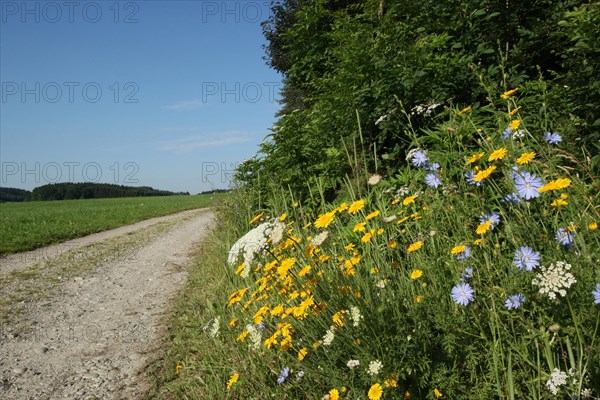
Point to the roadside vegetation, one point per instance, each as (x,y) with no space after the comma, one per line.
(29,225)
(423,221)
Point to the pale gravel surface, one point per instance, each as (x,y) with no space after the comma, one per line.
(94,334)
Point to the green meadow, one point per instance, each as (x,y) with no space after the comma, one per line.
(28,225)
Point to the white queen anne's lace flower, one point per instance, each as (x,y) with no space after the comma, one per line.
(353,364)
(329,336)
(355,315)
(255,241)
(375,367)
(557,379)
(554,279)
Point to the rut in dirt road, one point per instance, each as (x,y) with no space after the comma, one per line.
(89,321)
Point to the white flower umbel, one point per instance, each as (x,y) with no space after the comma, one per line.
(255,337)
(214,328)
(252,243)
(329,336)
(355,315)
(557,379)
(554,279)
(320,238)
(353,364)
(375,367)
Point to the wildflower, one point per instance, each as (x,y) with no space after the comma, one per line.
(432,167)
(507,133)
(596,294)
(299,375)
(526,258)
(414,247)
(432,180)
(513,302)
(372,215)
(375,367)
(418,298)
(256,218)
(437,393)
(593,226)
(512,198)
(250,244)
(491,217)
(234,378)
(483,227)
(557,379)
(355,316)
(458,249)
(525,158)
(514,111)
(302,353)
(353,364)
(565,236)
(514,124)
(508,93)
(409,200)
(419,158)
(390,218)
(391,381)
(214,330)
(462,252)
(325,220)
(470,175)
(498,154)
(465,110)
(374,179)
(338,318)
(527,185)
(342,207)
(356,206)
(416,274)
(554,279)
(381,284)
(283,375)
(334,394)
(474,158)
(320,238)
(484,174)
(467,275)
(462,294)
(375,392)
(349,246)
(367,237)
(558,204)
(557,184)
(552,137)
(329,336)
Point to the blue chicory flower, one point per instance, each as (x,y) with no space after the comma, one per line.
(462,294)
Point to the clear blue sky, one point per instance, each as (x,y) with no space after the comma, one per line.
(168,94)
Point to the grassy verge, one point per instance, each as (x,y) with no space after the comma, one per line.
(471,274)
(26,226)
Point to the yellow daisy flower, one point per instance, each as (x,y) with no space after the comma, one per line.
(498,154)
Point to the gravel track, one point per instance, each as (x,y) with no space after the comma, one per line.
(88,333)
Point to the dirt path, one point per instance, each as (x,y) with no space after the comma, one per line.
(83,323)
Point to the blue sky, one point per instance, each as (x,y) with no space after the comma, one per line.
(168,94)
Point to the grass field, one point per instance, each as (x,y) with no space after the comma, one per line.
(26,226)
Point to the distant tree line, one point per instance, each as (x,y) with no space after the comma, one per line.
(14,195)
(73,191)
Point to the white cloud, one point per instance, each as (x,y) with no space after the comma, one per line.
(183,106)
(202,141)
